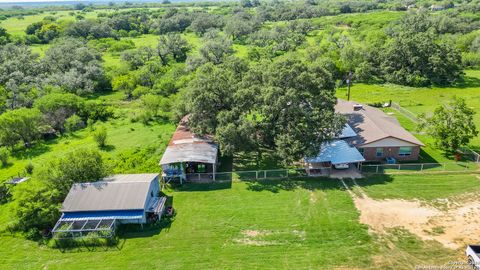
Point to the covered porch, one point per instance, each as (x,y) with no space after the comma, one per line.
(333,155)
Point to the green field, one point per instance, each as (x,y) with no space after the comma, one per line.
(301,224)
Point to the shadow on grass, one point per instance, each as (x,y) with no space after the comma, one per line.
(468,82)
(309,183)
(108,148)
(263,160)
(36,150)
(124,233)
(201,186)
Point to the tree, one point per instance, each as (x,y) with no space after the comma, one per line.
(58,107)
(20,125)
(4,36)
(37,208)
(415,57)
(286,106)
(152,103)
(100,136)
(240,25)
(203,22)
(172,46)
(452,126)
(4,155)
(20,74)
(75,67)
(124,83)
(73,123)
(38,204)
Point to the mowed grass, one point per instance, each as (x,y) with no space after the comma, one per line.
(421,187)
(422,99)
(272,224)
(308,224)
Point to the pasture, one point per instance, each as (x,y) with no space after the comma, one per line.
(274,224)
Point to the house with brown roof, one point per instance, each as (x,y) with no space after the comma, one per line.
(378,135)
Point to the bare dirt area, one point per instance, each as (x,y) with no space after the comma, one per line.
(453,225)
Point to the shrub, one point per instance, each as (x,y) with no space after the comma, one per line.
(100,136)
(74,123)
(29,168)
(4,155)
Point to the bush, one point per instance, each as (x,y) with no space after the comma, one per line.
(4,155)
(29,168)
(100,136)
(74,123)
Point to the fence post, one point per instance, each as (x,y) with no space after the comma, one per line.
(377,169)
(399,166)
(199,177)
(265,174)
(421,168)
(287,173)
(256,174)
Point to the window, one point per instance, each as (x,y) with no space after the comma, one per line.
(405,151)
(379,152)
(201,168)
(361,150)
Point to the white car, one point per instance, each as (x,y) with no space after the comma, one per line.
(341,166)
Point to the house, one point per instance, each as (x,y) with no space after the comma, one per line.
(189,156)
(378,135)
(118,199)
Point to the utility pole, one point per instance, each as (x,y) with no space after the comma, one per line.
(349,82)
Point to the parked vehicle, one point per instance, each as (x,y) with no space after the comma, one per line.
(342,166)
(473,256)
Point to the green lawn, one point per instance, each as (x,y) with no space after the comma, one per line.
(421,100)
(290,224)
(422,187)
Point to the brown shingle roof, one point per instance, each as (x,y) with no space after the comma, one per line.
(372,124)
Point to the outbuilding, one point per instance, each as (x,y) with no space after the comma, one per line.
(100,206)
(189,156)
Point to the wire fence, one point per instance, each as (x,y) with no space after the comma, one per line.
(246,175)
(470,154)
(405,112)
(419,167)
(404,168)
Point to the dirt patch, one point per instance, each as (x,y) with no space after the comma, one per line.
(254,233)
(453,227)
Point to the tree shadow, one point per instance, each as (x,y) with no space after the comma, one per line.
(34,151)
(124,233)
(467,82)
(201,186)
(263,160)
(309,183)
(108,148)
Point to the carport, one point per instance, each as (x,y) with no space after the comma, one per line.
(332,153)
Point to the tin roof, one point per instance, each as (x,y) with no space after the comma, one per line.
(117,192)
(185,146)
(336,152)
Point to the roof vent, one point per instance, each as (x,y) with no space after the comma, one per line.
(357,107)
